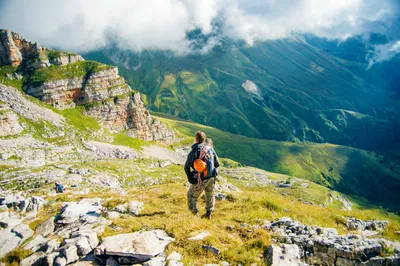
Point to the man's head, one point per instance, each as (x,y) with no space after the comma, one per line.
(200,137)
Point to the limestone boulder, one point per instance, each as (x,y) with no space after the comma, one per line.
(135,207)
(135,247)
(283,255)
(72,211)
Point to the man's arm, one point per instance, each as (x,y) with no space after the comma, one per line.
(188,163)
(216,160)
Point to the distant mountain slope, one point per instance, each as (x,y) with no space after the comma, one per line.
(351,171)
(281,90)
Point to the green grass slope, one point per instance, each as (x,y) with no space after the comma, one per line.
(352,171)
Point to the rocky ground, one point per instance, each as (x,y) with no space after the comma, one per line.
(73,234)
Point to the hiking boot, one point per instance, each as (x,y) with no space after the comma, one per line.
(207,215)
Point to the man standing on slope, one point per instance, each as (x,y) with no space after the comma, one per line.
(203,176)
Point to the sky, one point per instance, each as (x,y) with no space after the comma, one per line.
(82,26)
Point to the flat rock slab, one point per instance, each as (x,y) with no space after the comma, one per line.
(46,228)
(72,211)
(12,238)
(200,236)
(10,222)
(140,246)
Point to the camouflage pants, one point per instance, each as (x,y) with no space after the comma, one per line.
(195,192)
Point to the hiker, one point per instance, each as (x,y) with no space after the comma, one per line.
(204,162)
(59,188)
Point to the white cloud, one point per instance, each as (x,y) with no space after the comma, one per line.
(384,52)
(80,26)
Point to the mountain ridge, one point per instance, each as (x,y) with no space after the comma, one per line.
(300,87)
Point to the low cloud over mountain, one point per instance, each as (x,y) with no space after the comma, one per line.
(157,24)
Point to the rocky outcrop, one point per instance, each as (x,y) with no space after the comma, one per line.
(10,54)
(89,88)
(370,225)
(324,246)
(21,204)
(66,80)
(78,223)
(128,113)
(15,50)
(46,58)
(143,126)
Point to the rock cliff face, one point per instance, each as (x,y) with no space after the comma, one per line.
(66,80)
(10,54)
(91,88)
(128,113)
(15,50)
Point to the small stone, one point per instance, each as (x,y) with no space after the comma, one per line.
(200,236)
(123,208)
(135,207)
(211,249)
(220,196)
(230,228)
(113,215)
(174,256)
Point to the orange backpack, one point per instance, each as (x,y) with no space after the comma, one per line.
(200,166)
